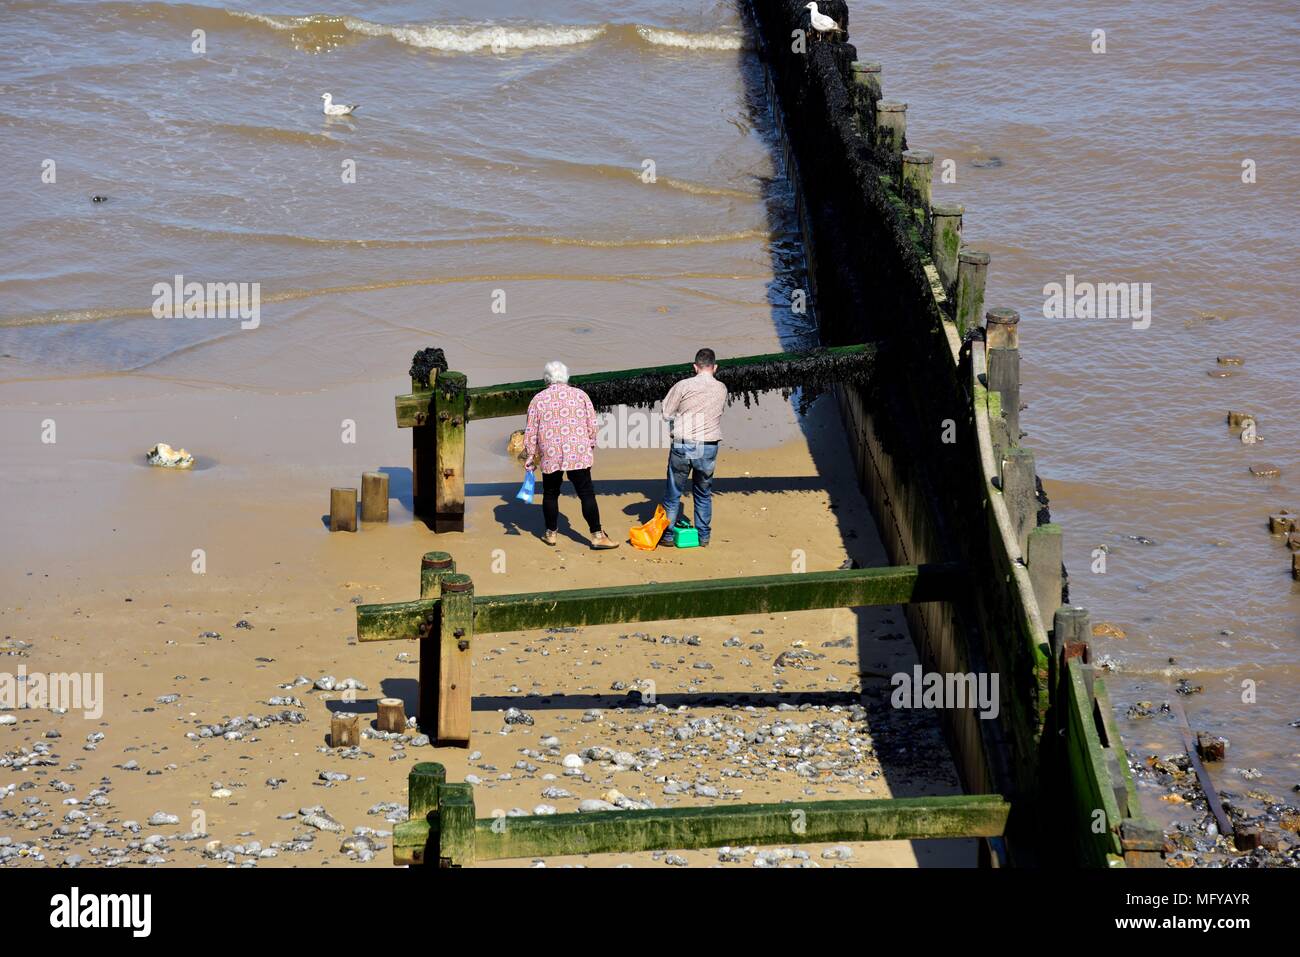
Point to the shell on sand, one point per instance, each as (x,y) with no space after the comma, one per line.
(164,456)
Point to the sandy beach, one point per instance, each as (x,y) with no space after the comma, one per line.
(109,587)
(601,186)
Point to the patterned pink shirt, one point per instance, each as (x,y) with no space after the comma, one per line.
(561,429)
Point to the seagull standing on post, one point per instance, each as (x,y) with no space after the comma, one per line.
(330,108)
(822,23)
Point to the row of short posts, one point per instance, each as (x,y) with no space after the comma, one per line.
(345,727)
(1041,545)
(962,270)
(374,503)
(963,273)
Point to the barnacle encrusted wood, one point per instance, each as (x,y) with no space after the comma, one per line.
(745,377)
(811,373)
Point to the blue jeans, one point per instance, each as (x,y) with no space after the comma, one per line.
(691,462)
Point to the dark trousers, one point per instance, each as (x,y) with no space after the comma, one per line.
(580,479)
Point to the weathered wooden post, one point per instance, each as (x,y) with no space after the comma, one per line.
(456,825)
(972,271)
(374,496)
(866,80)
(392,715)
(914,174)
(434,566)
(891,126)
(1044,555)
(1073,639)
(1002,329)
(1002,353)
(424,456)
(423,785)
(345,731)
(343,510)
(1020,494)
(1070,633)
(451,410)
(455,639)
(945,241)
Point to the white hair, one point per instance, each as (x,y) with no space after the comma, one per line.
(555,372)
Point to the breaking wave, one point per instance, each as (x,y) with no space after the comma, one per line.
(322,32)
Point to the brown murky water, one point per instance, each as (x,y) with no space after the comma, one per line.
(505,150)
(1126,166)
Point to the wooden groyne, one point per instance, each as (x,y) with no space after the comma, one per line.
(936,444)
(938,450)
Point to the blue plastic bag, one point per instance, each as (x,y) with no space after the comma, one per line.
(525,493)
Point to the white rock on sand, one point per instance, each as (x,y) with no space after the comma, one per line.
(164,456)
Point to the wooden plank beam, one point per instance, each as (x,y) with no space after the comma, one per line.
(512,398)
(711,598)
(808,822)
(673,601)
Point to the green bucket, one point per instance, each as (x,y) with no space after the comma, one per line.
(686,536)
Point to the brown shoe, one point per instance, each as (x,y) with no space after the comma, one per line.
(548,537)
(600,541)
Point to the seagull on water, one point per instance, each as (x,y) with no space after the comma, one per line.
(331,108)
(822,23)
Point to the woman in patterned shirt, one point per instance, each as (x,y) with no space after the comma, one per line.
(561,434)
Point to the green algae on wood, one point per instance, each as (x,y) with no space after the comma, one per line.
(395,621)
(433,565)
(671,601)
(972,275)
(456,826)
(806,822)
(422,787)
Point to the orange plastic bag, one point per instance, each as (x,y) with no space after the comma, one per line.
(646,537)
